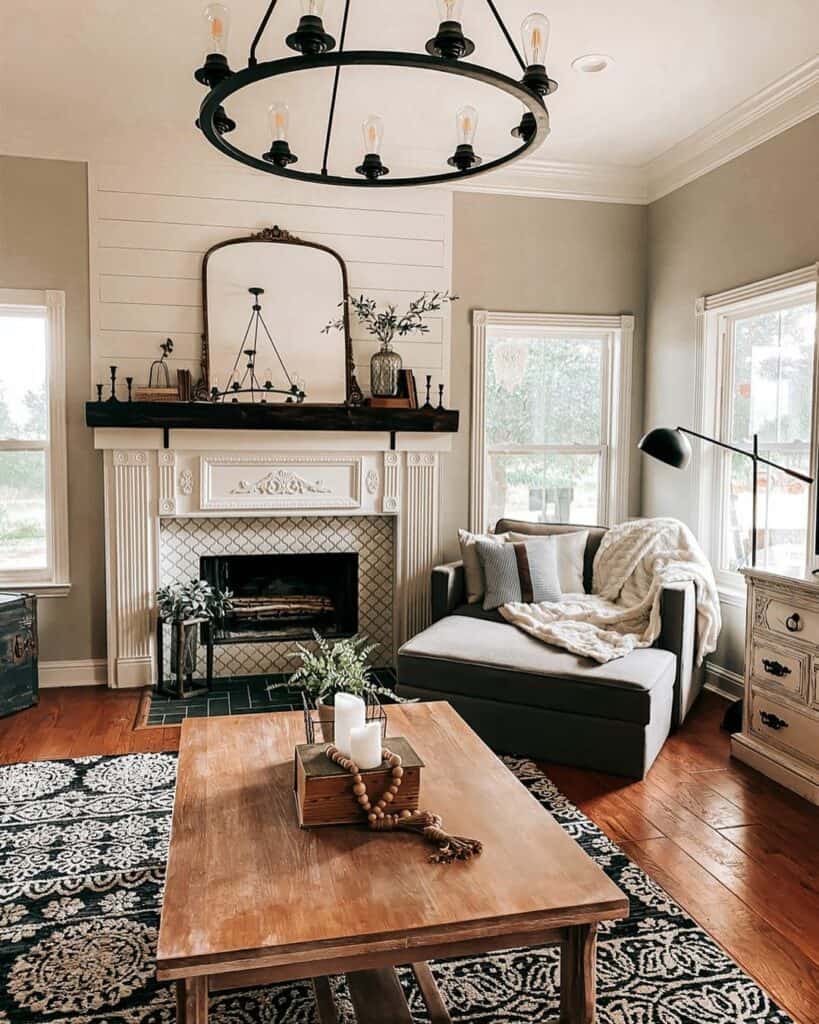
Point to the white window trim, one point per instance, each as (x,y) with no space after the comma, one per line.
(616,472)
(712,313)
(55,580)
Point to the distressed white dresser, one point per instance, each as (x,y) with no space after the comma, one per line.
(780,727)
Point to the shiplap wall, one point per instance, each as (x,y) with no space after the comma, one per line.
(150,228)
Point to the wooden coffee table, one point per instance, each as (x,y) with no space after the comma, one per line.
(252,899)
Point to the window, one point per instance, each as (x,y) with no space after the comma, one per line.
(33,515)
(550,414)
(761,348)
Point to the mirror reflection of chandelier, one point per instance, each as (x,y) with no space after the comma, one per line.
(244,379)
(317,49)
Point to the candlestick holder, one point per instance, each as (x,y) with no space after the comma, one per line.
(428,403)
(130,383)
(440,398)
(113,397)
(99,392)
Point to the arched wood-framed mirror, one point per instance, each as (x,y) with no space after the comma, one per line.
(303,289)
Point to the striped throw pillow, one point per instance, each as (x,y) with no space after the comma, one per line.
(519,571)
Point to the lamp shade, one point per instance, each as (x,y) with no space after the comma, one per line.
(667,444)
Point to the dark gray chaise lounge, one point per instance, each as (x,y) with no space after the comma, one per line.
(525,697)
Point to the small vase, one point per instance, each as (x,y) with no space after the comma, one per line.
(327,720)
(385,366)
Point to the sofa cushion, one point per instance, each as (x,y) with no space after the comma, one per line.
(471,656)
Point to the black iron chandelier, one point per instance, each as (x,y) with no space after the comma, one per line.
(317,49)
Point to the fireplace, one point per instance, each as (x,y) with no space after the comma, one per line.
(285,596)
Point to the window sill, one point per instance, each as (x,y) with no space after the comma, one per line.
(733,597)
(38,589)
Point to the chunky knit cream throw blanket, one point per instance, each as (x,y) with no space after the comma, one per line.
(635,561)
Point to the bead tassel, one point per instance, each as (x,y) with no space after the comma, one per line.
(423,823)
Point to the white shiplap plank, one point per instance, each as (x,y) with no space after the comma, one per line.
(113,345)
(131,316)
(250,216)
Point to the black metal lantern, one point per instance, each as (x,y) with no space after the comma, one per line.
(316,49)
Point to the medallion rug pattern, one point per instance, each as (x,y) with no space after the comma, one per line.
(83,846)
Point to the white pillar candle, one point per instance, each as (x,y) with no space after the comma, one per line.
(365,745)
(350,714)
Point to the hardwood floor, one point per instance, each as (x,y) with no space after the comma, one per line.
(738,852)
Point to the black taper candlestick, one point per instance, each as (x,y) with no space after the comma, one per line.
(99,392)
(428,403)
(130,382)
(113,397)
(440,397)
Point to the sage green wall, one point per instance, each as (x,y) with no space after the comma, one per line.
(44,244)
(520,255)
(750,219)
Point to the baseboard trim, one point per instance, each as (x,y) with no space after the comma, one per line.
(723,681)
(90,672)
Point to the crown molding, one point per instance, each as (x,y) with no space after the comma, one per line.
(600,183)
(784,103)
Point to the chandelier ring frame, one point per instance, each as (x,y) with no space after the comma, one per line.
(370,58)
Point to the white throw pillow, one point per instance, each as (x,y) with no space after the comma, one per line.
(570,549)
(473,570)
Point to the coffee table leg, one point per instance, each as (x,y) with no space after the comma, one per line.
(192,1001)
(578,975)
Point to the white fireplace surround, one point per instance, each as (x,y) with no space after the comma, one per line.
(226,474)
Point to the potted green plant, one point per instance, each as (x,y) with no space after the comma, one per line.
(185,606)
(335,667)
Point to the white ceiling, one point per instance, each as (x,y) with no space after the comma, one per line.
(77,79)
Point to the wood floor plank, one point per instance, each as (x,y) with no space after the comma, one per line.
(786,855)
(780,968)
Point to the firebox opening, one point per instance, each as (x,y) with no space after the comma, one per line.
(285,597)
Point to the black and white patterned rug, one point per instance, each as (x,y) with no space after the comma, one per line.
(82,852)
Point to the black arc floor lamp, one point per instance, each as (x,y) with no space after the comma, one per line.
(670,445)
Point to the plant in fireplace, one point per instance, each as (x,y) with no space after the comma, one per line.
(185,606)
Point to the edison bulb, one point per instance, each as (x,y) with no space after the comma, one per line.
(535,32)
(373,131)
(450,10)
(217,26)
(466,123)
(279,118)
(312,8)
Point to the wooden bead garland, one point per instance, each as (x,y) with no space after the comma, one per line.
(421,822)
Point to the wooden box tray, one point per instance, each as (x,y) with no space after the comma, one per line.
(324,790)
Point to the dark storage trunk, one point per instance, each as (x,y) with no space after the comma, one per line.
(18,652)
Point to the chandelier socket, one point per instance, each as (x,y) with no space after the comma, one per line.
(215,70)
(371,167)
(527,127)
(221,122)
(464,157)
(310,37)
(279,154)
(536,79)
(450,42)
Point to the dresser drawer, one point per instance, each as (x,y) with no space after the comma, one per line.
(781,725)
(780,668)
(791,619)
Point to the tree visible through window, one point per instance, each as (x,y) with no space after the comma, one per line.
(546,425)
(24,442)
(768,373)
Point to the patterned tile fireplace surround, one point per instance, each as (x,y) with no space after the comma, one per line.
(237,492)
(183,541)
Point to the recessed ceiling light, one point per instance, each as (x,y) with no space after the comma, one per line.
(592,63)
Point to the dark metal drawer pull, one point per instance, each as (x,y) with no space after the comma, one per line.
(775,668)
(793,623)
(772,721)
